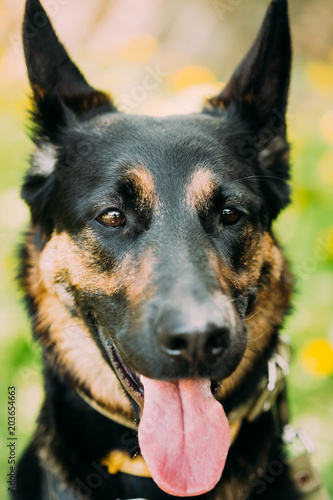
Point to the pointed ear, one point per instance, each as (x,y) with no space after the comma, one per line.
(258,90)
(257,95)
(60,91)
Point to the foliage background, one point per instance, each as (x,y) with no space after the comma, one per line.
(196,44)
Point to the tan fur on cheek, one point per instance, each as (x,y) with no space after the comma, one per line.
(221,270)
(138,278)
(69,341)
(62,255)
(270,308)
(73,350)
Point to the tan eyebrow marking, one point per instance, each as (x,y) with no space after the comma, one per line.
(200,189)
(143,181)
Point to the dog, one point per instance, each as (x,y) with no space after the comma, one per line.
(155,285)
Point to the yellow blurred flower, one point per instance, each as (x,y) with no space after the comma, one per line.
(320,75)
(317,357)
(189,76)
(139,48)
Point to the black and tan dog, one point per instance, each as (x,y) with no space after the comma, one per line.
(155,285)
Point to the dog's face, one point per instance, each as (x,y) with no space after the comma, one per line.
(158,230)
(155,232)
(162,230)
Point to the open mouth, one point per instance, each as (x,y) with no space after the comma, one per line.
(172,414)
(129,379)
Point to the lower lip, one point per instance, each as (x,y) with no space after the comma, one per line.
(128,379)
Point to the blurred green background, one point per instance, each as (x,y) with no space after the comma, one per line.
(191,47)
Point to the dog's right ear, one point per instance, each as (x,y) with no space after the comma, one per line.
(61,94)
(61,98)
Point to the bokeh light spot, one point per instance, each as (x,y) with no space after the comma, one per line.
(189,76)
(320,75)
(139,48)
(326,126)
(317,357)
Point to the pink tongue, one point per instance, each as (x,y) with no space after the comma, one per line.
(184,436)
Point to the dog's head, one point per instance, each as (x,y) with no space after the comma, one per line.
(155,233)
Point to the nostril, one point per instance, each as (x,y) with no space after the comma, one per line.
(217,342)
(177,345)
(195,347)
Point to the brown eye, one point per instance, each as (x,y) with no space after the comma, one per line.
(112,218)
(230,216)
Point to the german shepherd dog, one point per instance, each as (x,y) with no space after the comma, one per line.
(154,283)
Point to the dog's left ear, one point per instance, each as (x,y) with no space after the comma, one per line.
(257,94)
(61,94)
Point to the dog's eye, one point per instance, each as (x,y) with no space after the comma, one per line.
(112,218)
(230,216)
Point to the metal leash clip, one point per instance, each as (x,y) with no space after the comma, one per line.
(298,448)
(277,370)
(297,442)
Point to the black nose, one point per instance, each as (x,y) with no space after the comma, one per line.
(194,347)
